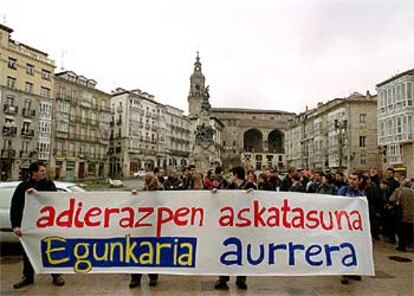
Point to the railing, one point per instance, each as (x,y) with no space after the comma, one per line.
(29,112)
(8,153)
(10,109)
(27,132)
(9,131)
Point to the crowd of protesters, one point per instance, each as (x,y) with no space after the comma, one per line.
(390,201)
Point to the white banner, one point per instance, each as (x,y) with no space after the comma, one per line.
(198,232)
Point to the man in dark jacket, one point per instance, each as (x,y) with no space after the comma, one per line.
(392,182)
(287,182)
(237,176)
(37,182)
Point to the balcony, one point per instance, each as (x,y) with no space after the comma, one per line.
(9,131)
(29,112)
(119,121)
(8,153)
(10,109)
(64,97)
(27,132)
(24,154)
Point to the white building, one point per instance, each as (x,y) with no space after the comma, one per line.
(396,122)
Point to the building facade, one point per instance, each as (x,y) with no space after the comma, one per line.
(26,88)
(339,135)
(146,133)
(396,122)
(253,138)
(81,128)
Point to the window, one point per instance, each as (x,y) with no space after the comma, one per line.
(25,146)
(28,87)
(399,126)
(46,74)
(11,82)
(27,104)
(362,118)
(12,63)
(362,141)
(363,160)
(10,101)
(29,69)
(45,92)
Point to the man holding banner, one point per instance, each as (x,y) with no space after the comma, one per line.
(237,177)
(37,182)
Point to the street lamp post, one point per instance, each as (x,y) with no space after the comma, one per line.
(341,127)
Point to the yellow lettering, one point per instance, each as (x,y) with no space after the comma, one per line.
(147,258)
(186,258)
(129,250)
(158,251)
(121,251)
(104,257)
(79,258)
(50,250)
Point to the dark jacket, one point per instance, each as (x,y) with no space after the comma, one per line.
(327,189)
(172,184)
(18,199)
(286,183)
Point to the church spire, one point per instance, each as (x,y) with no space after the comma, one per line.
(197,86)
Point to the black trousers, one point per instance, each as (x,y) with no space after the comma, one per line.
(28,270)
(138,276)
(238,278)
(405,235)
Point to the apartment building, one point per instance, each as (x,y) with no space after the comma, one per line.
(26,88)
(396,122)
(82,116)
(340,135)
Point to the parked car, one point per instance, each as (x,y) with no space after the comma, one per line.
(6,193)
(140,174)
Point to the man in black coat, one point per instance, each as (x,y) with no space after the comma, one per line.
(287,182)
(237,178)
(37,182)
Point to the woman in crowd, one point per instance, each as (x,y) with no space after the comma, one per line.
(151,183)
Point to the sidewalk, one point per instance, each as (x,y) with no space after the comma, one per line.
(392,278)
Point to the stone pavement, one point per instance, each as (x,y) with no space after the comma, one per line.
(392,279)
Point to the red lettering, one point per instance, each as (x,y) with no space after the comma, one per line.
(48,220)
(194,211)
(312,216)
(240,217)
(181,212)
(108,212)
(128,220)
(161,219)
(285,209)
(147,212)
(92,212)
(227,220)
(66,217)
(78,224)
(258,219)
(339,215)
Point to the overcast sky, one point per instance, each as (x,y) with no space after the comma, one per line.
(279,55)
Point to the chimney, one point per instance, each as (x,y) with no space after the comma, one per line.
(368,95)
(320,104)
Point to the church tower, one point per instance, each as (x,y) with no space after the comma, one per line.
(197,86)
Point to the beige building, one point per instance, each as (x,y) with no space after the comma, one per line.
(146,134)
(26,88)
(81,128)
(340,135)
(253,138)
(396,122)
